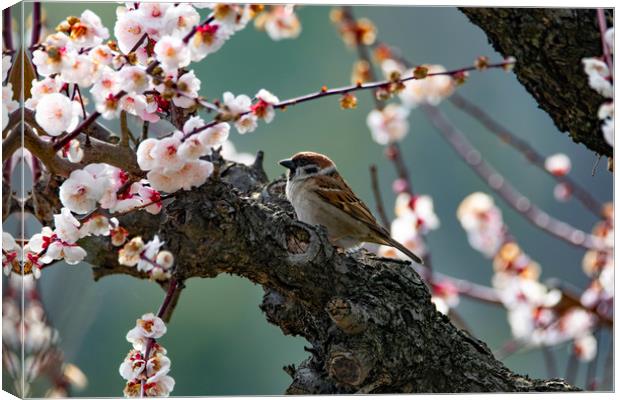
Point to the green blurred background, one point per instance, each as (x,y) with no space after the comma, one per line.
(219,341)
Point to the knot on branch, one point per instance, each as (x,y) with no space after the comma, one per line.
(347,316)
(347,368)
(302,244)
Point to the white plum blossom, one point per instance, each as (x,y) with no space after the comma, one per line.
(41,88)
(208,39)
(429,90)
(215,135)
(172,53)
(102,55)
(7,98)
(609,38)
(81,191)
(128,29)
(153,17)
(166,154)
(148,254)
(233,17)
(132,366)
(80,70)
(280,22)
(134,78)
(160,387)
(229,152)
(179,20)
(97,225)
(107,84)
(264,106)
(246,123)
(598,76)
(482,221)
(6,65)
(585,348)
(146,161)
(67,226)
(55,53)
(183,91)
(56,113)
(236,105)
(147,326)
(558,164)
(88,31)
(130,254)
(388,125)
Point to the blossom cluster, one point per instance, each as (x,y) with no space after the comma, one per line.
(51,245)
(599,267)
(390,124)
(146,366)
(120,73)
(174,163)
(109,187)
(415,217)
(600,79)
(533,308)
(147,257)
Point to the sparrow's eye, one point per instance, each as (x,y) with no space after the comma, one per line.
(311,170)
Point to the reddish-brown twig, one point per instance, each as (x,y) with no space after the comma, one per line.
(602,24)
(529,152)
(502,187)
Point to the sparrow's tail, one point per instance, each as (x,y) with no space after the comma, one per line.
(405,250)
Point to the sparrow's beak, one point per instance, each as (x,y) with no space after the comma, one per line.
(288,163)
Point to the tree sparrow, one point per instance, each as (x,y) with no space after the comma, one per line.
(320,196)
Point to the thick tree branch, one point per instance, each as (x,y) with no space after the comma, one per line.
(369,320)
(549,44)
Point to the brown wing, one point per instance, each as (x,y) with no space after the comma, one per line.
(340,195)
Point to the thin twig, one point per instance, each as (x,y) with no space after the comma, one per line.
(602,24)
(506,136)
(93,117)
(509,194)
(171,293)
(35,35)
(338,91)
(7,30)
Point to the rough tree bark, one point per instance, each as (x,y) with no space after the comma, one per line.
(549,44)
(369,320)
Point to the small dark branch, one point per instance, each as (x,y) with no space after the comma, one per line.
(502,187)
(139,43)
(362,53)
(125,133)
(170,300)
(7,30)
(602,24)
(374,180)
(45,152)
(506,136)
(145,130)
(11,143)
(36,24)
(77,90)
(342,90)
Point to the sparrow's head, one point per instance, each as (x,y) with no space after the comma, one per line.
(306,164)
